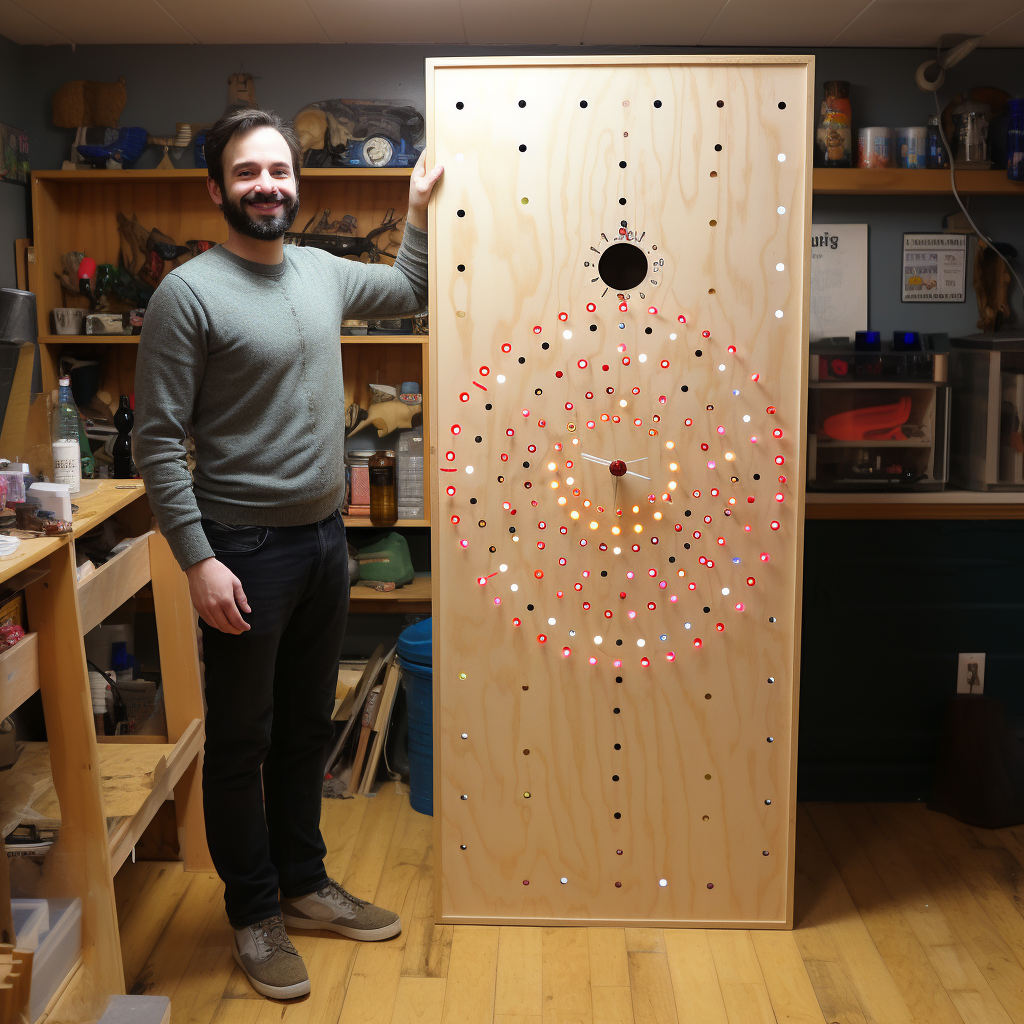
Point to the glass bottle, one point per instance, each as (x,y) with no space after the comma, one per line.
(64,439)
(124,420)
(1015,142)
(834,134)
(383,492)
(936,157)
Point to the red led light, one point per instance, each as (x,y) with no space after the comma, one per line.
(705,334)
(541,638)
(696,534)
(625,360)
(484,371)
(652,573)
(775,525)
(780,497)
(559,594)
(504,457)
(591,424)
(482,580)
(720,626)
(707,519)
(558,373)
(711,563)
(450,456)
(531,448)
(450,490)
(539,573)
(688,422)
(782,479)
(464,397)
(779,460)
(770,410)
(765,557)
(751,581)
(568,406)
(566,651)
(561,561)
(517,622)
(755,377)
(651,606)
(714,492)
(623,307)
(563,317)
(455,520)
(681,318)
(776,432)
(582,364)
(691,586)
(638,423)
(622,595)
(698,642)
(644,662)
(577,587)
(591,307)
(536,330)
(721,540)
(526,412)
(616,419)
(590,394)
(671,656)
(464,543)
(678,527)
(703,446)
(586,606)
(731,350)
(607,614)
(696,494)
(664,364)
(506,347)
(456,429)
(750,500)
(562,530)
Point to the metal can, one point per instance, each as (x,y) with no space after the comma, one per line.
(874,147)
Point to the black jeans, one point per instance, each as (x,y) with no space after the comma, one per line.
(269,695)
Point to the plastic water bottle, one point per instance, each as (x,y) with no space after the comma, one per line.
(1015,142)
(67,451)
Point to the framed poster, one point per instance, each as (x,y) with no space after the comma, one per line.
(934,267)
(13,155)
(839,280)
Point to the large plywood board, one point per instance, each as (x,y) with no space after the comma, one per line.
(619,274)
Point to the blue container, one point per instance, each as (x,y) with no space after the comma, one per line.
(416,654)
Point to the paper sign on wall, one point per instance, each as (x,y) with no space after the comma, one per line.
(839,280)
(934,267)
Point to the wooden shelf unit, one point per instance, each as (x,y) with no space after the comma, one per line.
(915,505)
(894,181)
(413,598)
(104,794)
(77,211)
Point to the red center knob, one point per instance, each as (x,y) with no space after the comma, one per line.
(617,468)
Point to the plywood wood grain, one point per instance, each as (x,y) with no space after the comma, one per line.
(615,657)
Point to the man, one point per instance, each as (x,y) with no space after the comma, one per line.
(241,350)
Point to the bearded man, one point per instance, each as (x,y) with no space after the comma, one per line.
(241,350)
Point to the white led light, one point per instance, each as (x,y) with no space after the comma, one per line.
(515,587)
(501,378)
(671,337)
(778,314)
(622,403)
(598,639)
(502,568)
(465,735)
(458,158)
(551,622)
(551,465)
(469,469)
(686,625)
(781,210)
(642,358)
(616,551)
(721,366)
(569,481)
(564,881)
(567,335)
(746,419)
(640,643)
(725,591)
(780,267)
(663,882)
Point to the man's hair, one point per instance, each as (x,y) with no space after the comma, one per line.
(241,122)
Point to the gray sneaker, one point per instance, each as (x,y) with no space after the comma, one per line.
(335,910)
(270,961)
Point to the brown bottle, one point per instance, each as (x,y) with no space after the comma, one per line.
(383,495)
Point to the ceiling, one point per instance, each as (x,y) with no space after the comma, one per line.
(755,23)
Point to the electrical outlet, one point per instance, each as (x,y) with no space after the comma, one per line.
(970,676)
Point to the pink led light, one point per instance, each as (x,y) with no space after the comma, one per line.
(526,412)
(765,557)
(673,598)
(464,396)
(753,439)
(746,529)
(617,664)
(593,661)
(711,464)
(740,606)
(662,585)
(652,309)
(497,600)
(463,543)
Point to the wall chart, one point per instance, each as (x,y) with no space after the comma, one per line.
(618,343)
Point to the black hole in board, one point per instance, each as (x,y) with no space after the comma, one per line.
(720,103)
(522,148)
(478,438)
(538,391)
(671,559)
(593,327)
(687,513)
(522,359)
(529,607)
(604,572)
(522,103)
(782,104)
(622,163)
(616,711)
(684,388)
(687,546)
(526,465)
(544,345)
(461,213)
(718,147)
(461,268)
(615,778)
(472,501)
(648,330)
(511,529)
(618,643)
(489,407)
(463,846)
(618,746)
(698,353)
(657,103)
(622,202)
(757,476)
(583,103)
(623,266)
(706,609)
(459,105)
(501,479)
(618,814)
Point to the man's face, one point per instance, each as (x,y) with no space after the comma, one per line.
(260,197)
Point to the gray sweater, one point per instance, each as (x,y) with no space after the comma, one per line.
(246,358)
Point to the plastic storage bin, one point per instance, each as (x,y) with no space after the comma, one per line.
(52,929)
(416,654)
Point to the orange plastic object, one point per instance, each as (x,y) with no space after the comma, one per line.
(874,423)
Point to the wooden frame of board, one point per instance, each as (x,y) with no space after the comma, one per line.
(619,314)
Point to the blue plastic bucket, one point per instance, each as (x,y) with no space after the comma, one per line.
(415,651)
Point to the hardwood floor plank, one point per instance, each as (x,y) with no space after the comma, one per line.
(650,982)
(613,1004)
(518,986)
(197,996)
(930,912)
(695,986)
(340,824)
(472,969)
(645,940)
(785,977)
(370,997)
(330,971)
(427,945)
(152,908)
(744,992)
(516,1018)
(849,975)
(609,964)
(880,910)
(372,842)
(566,976)
(234,1011)
(419,1001)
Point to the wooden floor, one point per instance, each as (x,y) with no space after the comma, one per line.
(902,916)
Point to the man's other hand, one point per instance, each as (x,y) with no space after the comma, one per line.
(217,595)
(421,184)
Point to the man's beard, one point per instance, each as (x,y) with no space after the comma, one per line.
(258,225)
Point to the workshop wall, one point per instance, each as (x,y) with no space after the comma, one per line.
(13,90)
